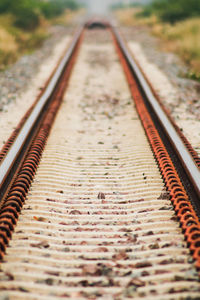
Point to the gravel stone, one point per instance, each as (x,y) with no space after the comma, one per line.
(17,77)
(180,95)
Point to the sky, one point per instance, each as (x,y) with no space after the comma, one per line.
(98,6)
(102,6)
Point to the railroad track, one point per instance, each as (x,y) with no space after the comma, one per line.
(97,199)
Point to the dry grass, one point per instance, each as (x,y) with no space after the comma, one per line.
(127,17)
(7,41)
(67,17)
(14,42)
(182,38)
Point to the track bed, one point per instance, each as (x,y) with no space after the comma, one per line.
(98,222)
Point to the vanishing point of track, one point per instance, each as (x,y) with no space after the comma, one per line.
(107,193)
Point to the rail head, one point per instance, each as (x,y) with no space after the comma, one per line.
(11,157)
(185,157)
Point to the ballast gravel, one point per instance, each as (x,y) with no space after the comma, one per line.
(15,79)
(22,82)
(98,222)
(165,71)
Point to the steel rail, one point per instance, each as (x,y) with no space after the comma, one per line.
(183,153)
(14,151)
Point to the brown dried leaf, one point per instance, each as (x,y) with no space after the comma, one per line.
(101,249)
(136,282)
(7,277)
(154,246)
(161,272)
(148,233)
(52,273)
(101,196)
(40,219)
(79,157)
(143,264)
(132,238)
(89,269)
(104,201)
(43,244)
(75,212)
(83,243)
(166,261)
(50,200)
(119,256)
(81,131)
(164,196)
(62,223)
(22,289)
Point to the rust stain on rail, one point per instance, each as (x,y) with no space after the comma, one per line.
(186,142)
(13,204)
(183,208)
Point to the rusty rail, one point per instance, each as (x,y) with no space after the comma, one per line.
(128,233)
(185,157)
(184,205)
(15,155)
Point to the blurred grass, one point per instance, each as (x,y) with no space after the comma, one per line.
(15,41)
(67,17)
(129,17)
(182,37)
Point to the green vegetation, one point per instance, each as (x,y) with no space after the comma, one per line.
(193,76)
(184,39)
(54,8)
(24,23)
(172,11)
(176,23)
(27,13)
